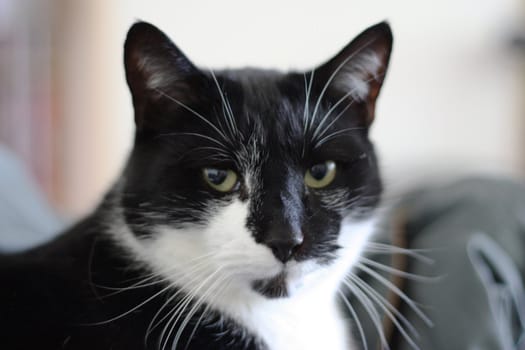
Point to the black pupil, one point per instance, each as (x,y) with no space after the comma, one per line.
(318,171)
(216,176)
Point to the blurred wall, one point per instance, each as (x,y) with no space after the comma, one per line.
(26,117)
(452,103)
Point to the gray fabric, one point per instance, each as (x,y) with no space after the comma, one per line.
(474,233)
(504,286)
(26,219)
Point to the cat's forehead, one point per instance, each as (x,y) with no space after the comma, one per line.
(253,80)
(270,103)
(259,89)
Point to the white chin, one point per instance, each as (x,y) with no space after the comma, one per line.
(301,276)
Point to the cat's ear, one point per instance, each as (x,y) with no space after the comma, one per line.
(359,69)
(154,67)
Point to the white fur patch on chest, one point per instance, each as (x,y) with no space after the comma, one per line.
(303,322)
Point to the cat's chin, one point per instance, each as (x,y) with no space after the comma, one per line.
(294,278)
(275,287)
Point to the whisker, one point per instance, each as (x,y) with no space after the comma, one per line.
(335,134)
(315,136)
(397,272)
(130,310)
(196,135)
(138,285)
(389,311)
(327,114)
(356,318)
(210,148)
(180,307)
(163,290)
(396,290)
(228,113)
(195,113)
(226,117)
(154,324)
(359,281)
(371,311)
(308,90)
(157,274)
(197,304)
(373,247)
(208,307)
(334,73)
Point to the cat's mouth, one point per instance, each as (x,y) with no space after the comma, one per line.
(292,278)
(274,287)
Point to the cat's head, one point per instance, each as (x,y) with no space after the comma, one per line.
(257,180)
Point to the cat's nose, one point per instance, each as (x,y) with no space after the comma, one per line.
(284,248)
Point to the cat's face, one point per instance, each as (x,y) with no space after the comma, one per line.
(255,180)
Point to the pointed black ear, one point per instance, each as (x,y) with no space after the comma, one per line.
(359,69)
(154,66)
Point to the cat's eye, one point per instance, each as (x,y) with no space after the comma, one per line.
(320,175)
(220,179)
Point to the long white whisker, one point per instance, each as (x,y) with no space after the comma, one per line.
(219,151)
(308,90)
(197,304)
(181,306)
(228,111)
(197,135)
(397,272)
(195,113)
(360,282)
(335,72)
(389,311)
(232,116)
(155,275)
(315,136)
(334,134)
(206,310)
(373,247)
(153,325)
(141,284)
(396,290)
(388,246)
(370,309)
(356,318)
(192,272)
(131,310)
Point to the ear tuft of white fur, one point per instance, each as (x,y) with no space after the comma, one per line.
(158,75)
(356,76)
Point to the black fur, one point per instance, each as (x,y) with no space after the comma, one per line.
(53,296)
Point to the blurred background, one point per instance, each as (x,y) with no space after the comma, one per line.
(453,103)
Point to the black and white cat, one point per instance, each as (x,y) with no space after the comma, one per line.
(248,196)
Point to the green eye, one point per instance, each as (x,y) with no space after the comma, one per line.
(219,179)
(320,175)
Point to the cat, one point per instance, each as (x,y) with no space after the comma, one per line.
(247,197)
